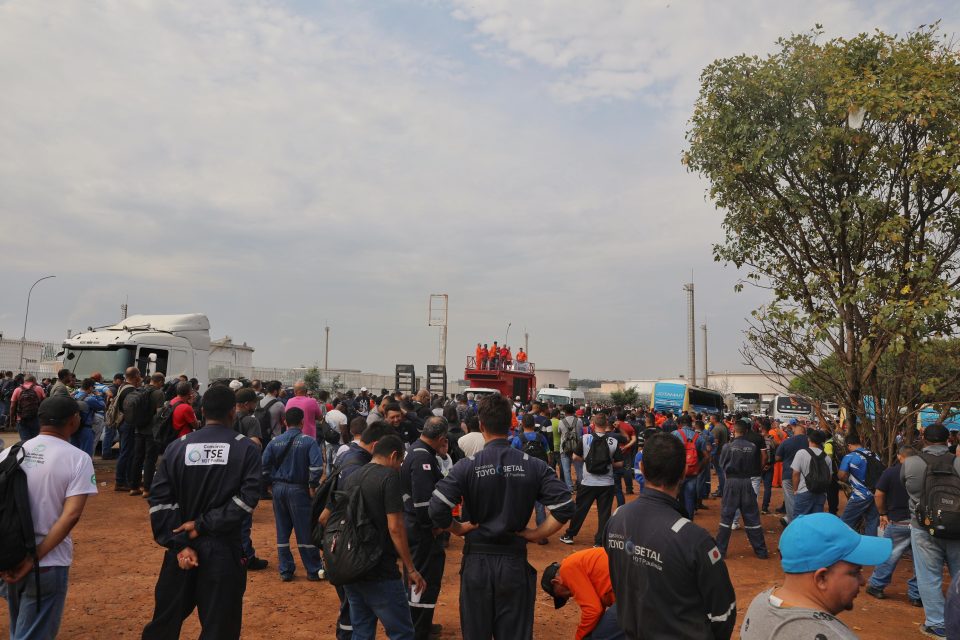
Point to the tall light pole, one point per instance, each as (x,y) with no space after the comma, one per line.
(691,337)
(26,314)
(506,340)
(326,349)
(706,369)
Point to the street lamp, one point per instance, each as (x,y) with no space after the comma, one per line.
(506,340)
(26,314)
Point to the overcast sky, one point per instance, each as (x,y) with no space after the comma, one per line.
(277,165)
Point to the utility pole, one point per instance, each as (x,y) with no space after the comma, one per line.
(706,369)
(437,317)
(123,309)
(26,314)
(526,342)
(326,348)
(691,337)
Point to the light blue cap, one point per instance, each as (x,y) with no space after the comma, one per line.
(820,540)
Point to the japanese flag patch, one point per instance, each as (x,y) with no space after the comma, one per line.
(427,467)
(714,555)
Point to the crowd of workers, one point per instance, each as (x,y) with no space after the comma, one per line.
(426,467)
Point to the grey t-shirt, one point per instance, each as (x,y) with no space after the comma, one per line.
(249,425)
(801,463)
(276,411)
(606,480)
(912,471)
(768,619)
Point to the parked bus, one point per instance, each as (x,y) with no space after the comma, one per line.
(560,397)
(790,407)
(679,397)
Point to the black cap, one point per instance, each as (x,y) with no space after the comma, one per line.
(547,583)
(56,409)
(936,433)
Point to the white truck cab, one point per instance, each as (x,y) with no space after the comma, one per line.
(172,344)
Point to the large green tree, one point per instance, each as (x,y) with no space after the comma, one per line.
(836,166)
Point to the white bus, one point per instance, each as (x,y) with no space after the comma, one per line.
(791,407)
(560,397)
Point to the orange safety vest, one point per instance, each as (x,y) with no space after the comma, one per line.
(522,356)
(492,353)
(481,354)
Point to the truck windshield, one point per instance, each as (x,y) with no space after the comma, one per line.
(107,361)
(545,397)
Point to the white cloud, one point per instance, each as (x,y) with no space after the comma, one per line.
(623,49)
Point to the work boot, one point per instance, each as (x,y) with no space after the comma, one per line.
(256,564)
(876,593)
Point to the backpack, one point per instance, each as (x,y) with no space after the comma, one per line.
(262,413)
(28,404)
(141,408)
(533,448)
(818,477)
(322,498)
(570,439)
(875,469)
(17,538)
(598,460)
(690,451)
(163,432)
(114,414)
(351,542)
(771,447)
(938,510)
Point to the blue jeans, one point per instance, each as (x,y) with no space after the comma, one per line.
(721,476)
(864,508)
(109,437)
(703,483)
(688,495)
(125,459)
(385,601)
(767,479)
(628,472)
(882,573)
(607,628)
(28,428)
(806,503)
(929,556)
(617,488)
(245,528)
(291,510)
(83,440)
(565,461)
(26,621)
(787,484)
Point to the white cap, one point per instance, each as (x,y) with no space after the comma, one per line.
(362,389)
(235,384)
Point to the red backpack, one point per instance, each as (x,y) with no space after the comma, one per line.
(690,449)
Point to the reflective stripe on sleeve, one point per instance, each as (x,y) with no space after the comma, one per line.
(243,505)
(723,616)
(417,505)
(551,507)
(437,493)
(163,507)
(679,525)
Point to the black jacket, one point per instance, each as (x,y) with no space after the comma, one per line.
(419,476)
(667,573)
(211,476)
(499,487)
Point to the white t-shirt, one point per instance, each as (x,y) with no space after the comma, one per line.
(471,443)
(336,419)
(589,479)
(56,470)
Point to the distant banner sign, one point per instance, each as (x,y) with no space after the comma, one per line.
(669,396)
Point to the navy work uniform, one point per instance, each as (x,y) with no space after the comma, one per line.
(349,461)
(668,575)
(293,462)
(212,477)
(419,476)
(739,462)
(499,486)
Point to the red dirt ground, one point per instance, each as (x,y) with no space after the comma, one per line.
(116,564)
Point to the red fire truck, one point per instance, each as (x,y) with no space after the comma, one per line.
(511,380)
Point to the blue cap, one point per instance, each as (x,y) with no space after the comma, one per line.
(820,540)
(793,421)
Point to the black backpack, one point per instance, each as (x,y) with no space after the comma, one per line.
(533,448)
(351,542)
(938,510)
(875,469)
(141,413)
(17,538)
(163,432)
(598,460)
(322,498)
(818,477)
(262,413)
